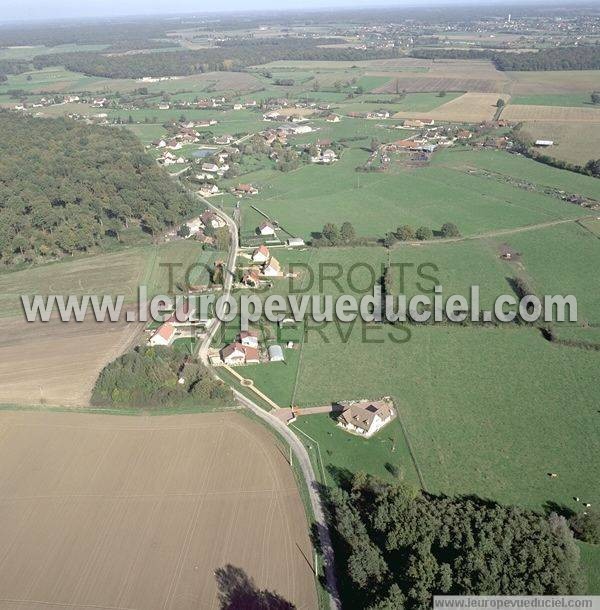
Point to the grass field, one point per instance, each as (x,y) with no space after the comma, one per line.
(59,80)
(471,107)
(110,511)
(590,558)
(303,201)
(578,99)
(87,275)
(471,430)
(561,260)
(344,452)
(29,52)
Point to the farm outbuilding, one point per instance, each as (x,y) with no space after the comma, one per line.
(276,353)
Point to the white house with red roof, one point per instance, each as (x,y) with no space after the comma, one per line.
(261,254)
(163,335)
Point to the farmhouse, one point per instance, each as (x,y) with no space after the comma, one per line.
(212,219)
(163,335)
(208,189)
(366,417)
(244,189)
(194,225)
(276,353)
(324,157)
(261,254)
(272,268)
(236,353)
(544,143)
(295,242)
(266,228)
(210,167)
(333,118)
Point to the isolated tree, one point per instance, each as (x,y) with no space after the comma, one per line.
(449,229)
(424,233)
(375,144)
(405,233)
(331,233)
(500,103)
(595,97)
(347,232)
(184,231)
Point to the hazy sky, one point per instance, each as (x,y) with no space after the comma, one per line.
(48,9)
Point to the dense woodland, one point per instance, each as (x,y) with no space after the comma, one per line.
(149,377)
(232,55)
(568,58)
(67,187)
(398,546)
(562,58)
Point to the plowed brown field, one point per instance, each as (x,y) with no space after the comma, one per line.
(102,511)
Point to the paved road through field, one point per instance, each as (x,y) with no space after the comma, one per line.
(297,446)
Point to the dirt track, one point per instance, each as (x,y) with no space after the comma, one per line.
(57,363)
(138,512)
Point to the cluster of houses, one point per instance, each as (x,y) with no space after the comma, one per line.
(197,227)
(265,266)
(374,114)
(417,123)
(44,102)
(245,350)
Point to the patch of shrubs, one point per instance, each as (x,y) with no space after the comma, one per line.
(155,377)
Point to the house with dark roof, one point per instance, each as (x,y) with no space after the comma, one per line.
(366,417)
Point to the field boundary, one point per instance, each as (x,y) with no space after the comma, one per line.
(410,450)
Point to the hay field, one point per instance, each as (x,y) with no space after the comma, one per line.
(138,513)
(564,81)
(468,108)
(517,112)
(574,142)
(421,84)
(57,363)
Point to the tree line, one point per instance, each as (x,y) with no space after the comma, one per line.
(67,187)
(396,547)
(230,55)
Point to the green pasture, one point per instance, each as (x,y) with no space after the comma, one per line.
(375,203)
(563,259)
(471,430)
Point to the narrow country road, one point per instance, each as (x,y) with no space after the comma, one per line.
(299,451)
